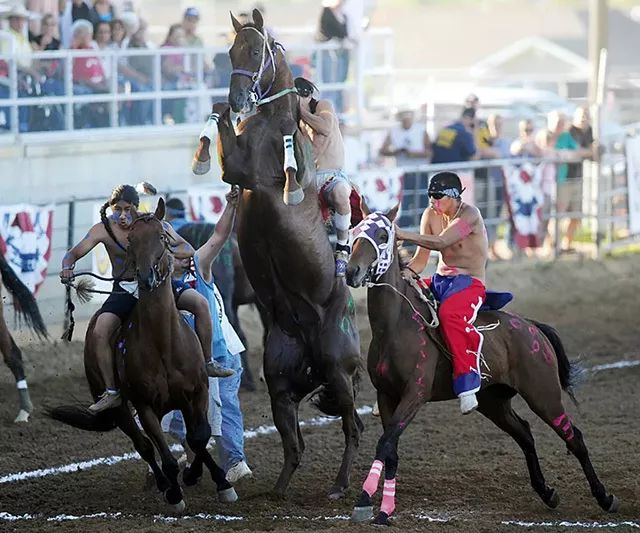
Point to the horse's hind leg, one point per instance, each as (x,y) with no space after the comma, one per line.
(142,445)
(496,406)
(170,467)
(547,404)
(285,418)
(352,427)
(13,359)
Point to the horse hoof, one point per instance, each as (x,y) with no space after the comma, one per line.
(382,519)
(614,505)
(337,493)
(178,508)
(227,495)
(200,168)
(23,416)
(553,500)
(362,514)
(293,197)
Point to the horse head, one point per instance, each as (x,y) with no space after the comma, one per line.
(373,246)
(254,60)
(148,249)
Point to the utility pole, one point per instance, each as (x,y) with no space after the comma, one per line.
(598,45)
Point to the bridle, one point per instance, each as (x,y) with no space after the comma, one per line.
(159,278)
(367,230)
(267,59)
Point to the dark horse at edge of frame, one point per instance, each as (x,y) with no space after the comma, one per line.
(313,343)
(160,368)
(26,309)
(408,368)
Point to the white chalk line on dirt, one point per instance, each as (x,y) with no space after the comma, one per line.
(317,421)
(343,518)
(248,434)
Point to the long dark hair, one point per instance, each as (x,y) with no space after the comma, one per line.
(126,193)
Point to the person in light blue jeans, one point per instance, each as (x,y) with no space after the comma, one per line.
(226,346)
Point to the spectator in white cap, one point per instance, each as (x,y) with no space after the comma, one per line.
(70,11)
(408,139)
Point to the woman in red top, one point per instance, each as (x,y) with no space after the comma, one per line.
(88,74)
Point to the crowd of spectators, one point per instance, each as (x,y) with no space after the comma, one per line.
(470,137)
(98,25)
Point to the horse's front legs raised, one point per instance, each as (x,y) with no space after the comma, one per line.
(170,468)
(293,193)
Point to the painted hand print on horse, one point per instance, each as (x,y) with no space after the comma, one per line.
(409,365)
(313,344)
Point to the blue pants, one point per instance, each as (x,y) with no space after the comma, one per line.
(231,444)
(173,422)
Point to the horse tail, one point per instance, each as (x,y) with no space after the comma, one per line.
(81,418)
(25,304)
(571,373)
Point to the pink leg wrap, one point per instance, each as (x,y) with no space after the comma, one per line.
(388,496)
(371,483)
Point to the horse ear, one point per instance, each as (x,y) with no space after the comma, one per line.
(391,215)
(258,20)
(160,209)
(365,208)
(236,23)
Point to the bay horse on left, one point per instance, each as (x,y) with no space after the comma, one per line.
(160,368)
(27,310)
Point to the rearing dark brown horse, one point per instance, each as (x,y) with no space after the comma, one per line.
(313,343)
(408,368)
(160,369)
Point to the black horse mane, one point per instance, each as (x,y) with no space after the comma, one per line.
(25,305)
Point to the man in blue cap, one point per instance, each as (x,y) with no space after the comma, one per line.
(456,230)
(190,22)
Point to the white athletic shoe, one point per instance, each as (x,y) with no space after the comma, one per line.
(468,403)
(238,471)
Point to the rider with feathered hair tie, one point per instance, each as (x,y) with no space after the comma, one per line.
(112,231)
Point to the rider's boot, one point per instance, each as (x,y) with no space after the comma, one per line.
(468,403)
(342,258)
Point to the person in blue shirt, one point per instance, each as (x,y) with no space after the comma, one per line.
(226,347)
(455,143)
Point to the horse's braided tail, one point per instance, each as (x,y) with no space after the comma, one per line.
(24,303)
(571,372)
(81,418)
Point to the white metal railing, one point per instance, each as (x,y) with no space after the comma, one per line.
(200,83)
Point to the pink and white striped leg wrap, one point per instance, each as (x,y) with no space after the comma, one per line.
(370,485)
(388,496)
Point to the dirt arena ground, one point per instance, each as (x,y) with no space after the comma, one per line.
(456,473)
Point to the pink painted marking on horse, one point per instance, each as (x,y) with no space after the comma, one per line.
(423,354)
(388,504)
(370,485)
(515,323)
(558,420)
(563,423)
(382,367)
(535,347)
(547,355)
